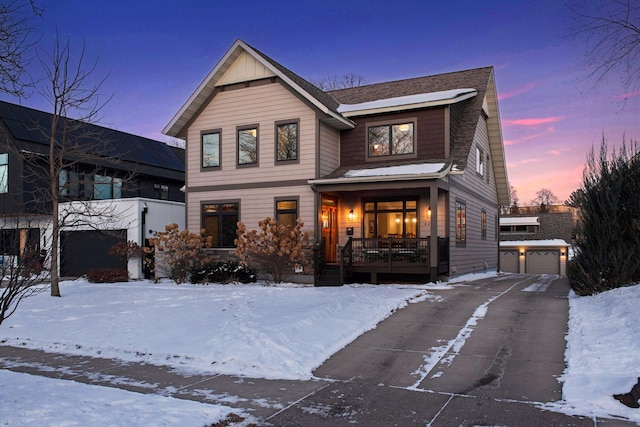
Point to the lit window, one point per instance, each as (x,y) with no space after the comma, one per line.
(220,222)
(248,146)
(483,225)
(461,223)
(287,141)
(287,212)
(390,140)
(4,173)
(211,149)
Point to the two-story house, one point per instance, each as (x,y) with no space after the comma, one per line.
(134,182)
(396,177)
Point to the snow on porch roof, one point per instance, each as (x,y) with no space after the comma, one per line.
(444,97)
(520,220)
(416,169)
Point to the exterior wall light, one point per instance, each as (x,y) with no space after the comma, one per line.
(351,215)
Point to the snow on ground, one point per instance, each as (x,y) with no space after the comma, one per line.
(295,328)
(29,400)
(603,353)
(252,330)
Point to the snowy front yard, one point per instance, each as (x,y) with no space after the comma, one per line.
(269,332)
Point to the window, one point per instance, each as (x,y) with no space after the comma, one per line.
(219,220)
(461,223)
(88,186)
(480,161)
(211,149)
(161,191)
(248,146)
(390,139)
(287,212)
(483,225)
(391,218)
(106,187)
(4,173)
(286,141)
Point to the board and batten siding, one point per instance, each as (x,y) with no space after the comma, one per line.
(261,105)
(477,193)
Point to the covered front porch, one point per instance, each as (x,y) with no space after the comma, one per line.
(383,231)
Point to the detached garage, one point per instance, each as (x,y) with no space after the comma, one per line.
(534,256)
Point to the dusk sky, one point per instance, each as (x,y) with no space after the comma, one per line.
(157,52)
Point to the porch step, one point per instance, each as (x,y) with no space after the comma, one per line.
(330,276)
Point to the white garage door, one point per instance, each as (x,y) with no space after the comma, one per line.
(509,261)
(543,262)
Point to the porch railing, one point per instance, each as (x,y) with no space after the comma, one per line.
(345,260)
(318,258)
(391,252)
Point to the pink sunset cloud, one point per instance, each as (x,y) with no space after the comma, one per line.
(526,88)
(626,95)
(533,121)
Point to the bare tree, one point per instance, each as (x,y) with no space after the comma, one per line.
(611,31)
(544,199)
(17,38)
(76,163)
(344,82)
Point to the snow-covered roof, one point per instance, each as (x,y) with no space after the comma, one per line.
(418,100)
(533,243)
(520,220)
(408,172)
(416,169)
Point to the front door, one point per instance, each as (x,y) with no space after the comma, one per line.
(330,229)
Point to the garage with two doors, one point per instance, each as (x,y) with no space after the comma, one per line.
(534,256)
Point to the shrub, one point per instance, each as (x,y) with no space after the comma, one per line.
(223,272)
(278,248)
(181,250)
(107,275)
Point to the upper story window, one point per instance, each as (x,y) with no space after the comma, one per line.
(390,139)
(286,141)
(4,173)
(211,149)
(480,162)
(161,191)
(248,145)
(89,186)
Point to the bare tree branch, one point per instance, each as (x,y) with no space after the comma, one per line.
(611,31)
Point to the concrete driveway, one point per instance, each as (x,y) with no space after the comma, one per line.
(487,353)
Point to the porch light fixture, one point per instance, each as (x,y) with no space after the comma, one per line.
(351,215)
(429,213)
(521,252)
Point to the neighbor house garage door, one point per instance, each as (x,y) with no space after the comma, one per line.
(543,262)
(509,261)
(82,251)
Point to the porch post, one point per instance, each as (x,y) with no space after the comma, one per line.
(433,239)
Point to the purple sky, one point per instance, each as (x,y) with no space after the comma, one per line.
(157,52)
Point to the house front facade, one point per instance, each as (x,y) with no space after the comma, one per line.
(392,178)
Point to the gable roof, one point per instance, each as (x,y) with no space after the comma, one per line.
(30,125)
(319,99)
(472,91)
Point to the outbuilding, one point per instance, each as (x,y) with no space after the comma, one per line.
(534,256)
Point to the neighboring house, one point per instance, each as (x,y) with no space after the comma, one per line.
(537,242)
(134,181)
(397,177)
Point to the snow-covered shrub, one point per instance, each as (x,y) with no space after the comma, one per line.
(223,272)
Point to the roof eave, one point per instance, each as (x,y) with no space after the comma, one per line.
(379,178)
